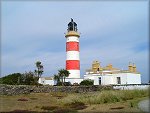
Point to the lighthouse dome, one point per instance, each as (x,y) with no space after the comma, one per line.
(72,26)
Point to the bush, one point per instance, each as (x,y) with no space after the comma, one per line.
(67,84)
(59,84)
(11,79)
(75,84)
(87,82)
(27,78)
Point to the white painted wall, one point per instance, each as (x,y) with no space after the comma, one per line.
(123,77)
(41,80)
(126,78)
(44,81)
(73,80)
(74,74)
(133,78)
(131,87)
(72,55)
(50,82)
(72,39)
(107,79)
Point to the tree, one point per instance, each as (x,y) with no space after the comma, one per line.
(87,82)
(11,79)
(57,78)
(66,74)
(39,70)
(29,78)
(62,74)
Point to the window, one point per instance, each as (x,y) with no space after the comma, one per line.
(99,80)
(118,80)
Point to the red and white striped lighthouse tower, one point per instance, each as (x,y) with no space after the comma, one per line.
(72,50)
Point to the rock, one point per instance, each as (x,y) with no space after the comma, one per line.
(26,89)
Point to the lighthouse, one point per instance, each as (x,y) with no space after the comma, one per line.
(72,50)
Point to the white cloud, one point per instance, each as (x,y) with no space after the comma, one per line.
(109,33)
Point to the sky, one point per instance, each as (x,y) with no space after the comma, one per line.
(115,32)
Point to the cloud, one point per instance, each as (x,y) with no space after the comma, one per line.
(111,32)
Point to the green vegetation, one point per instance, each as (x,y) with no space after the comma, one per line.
(60,77)
(39,71)
(106,96)
(11,79)
(61,102)
(27,78)
(87,82)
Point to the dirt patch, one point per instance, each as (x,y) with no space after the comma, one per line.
(49,107)
(116,108)
(63,110)
(76,105)
(57,109)
(58,95)
(22,99)
(33,98)
(21,111)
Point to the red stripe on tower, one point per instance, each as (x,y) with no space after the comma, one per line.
(72,50)
(72,46)
(72,64)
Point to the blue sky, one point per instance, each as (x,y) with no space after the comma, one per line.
(112,32)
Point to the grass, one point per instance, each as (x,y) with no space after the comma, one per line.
(107,96)
(60,102)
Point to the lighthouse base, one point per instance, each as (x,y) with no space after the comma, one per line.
(74,74)
(74,80)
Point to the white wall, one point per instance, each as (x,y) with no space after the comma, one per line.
(105,79)
(73,80)
(41,80)
(49,82)
(126,78)
(131,87)
(123,77)
(44,81)
(133,78)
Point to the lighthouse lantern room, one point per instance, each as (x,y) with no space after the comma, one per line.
(72,50)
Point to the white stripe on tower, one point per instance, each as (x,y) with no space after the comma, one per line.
(72,50)
(72,55)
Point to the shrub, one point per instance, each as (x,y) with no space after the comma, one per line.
(67,84)
(75,84)
(59,84)
(87,82)
(11,79)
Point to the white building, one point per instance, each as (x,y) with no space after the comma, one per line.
(51,81)
(46,80)
(120,78)
(110,75)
